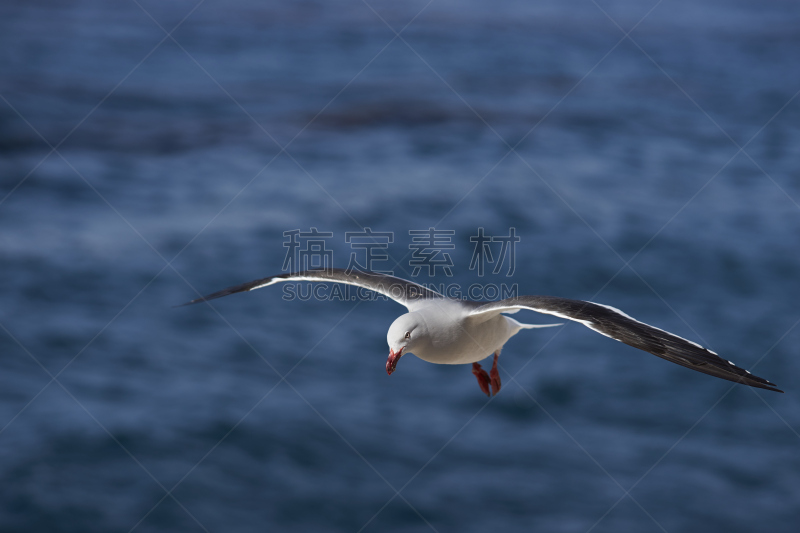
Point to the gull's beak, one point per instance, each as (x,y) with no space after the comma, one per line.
(391,363)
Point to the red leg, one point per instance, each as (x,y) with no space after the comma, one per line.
(483,378)
(495,375)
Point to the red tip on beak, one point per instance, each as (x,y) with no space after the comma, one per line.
(391,363)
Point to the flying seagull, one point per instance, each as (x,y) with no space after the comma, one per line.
(453,332)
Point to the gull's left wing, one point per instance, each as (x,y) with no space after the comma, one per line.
(615,324)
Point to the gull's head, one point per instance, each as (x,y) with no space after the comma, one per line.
(404,334)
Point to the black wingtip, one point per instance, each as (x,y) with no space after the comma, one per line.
(197,301)
(245,287)
(759,383)
(206,298)
(771,386)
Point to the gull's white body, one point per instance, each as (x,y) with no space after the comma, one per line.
(453,337)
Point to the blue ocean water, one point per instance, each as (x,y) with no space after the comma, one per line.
(656,173)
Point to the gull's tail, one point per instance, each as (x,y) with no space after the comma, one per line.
(531,326)
(537,326)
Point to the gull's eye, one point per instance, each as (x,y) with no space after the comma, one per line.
(408,334)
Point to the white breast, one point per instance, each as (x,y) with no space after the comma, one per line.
(455,338)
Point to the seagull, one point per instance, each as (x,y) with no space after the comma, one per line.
(449,331)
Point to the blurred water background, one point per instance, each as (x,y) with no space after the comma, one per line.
(169,151)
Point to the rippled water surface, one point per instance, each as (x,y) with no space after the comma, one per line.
(658,174)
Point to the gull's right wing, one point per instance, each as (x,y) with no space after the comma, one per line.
(400,290)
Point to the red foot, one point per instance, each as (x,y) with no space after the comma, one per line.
(495,375)
(483,378)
